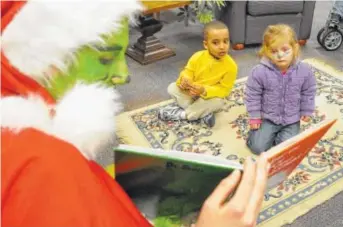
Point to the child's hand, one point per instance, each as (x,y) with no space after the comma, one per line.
(185,84)
(196,90)
(255,123)
(305,118)
(255,126)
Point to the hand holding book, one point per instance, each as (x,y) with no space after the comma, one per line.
(243,208)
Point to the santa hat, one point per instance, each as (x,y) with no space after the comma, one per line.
(13,82)
(38,35)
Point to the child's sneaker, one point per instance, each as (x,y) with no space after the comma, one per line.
(209,120)
(171,113)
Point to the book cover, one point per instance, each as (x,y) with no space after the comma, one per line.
(169,187)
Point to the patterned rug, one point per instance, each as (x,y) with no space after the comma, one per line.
(318,178)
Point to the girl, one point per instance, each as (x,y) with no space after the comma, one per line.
(280,90)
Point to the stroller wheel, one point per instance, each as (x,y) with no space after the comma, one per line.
(320,36)
(332,39)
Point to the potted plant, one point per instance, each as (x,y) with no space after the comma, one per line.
(201,10)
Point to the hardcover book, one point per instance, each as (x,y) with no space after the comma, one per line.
(170,186)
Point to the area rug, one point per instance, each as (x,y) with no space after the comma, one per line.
(318,178)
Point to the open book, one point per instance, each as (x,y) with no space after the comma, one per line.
(170,186)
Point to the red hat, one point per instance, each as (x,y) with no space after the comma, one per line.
(36,38)
(13,82)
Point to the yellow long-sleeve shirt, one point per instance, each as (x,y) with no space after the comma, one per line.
(217,76)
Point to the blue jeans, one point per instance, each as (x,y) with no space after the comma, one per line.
(269,135)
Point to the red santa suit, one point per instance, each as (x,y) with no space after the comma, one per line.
(48,177)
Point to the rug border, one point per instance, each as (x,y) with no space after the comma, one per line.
(317,199)
(324,66)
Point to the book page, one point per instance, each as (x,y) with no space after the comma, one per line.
(172,155)
(177,188)
(280,147)
(285,157)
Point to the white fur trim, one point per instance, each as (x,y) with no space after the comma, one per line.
(18,113)
(85,117)
(47,33)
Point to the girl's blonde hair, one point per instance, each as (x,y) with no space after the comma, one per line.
(279,32)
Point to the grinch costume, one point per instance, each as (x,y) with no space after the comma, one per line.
(49,141)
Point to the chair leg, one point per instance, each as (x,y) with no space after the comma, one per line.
(302,42)
(157,15)
(238,46)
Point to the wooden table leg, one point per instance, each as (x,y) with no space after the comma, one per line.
(302,42)
(238,46)
(148,48)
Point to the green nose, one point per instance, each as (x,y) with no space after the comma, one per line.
(119,79)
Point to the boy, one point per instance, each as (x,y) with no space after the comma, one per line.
(206,80)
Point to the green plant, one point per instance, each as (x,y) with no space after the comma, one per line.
(202,10)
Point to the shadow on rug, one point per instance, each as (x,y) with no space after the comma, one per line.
(318,178)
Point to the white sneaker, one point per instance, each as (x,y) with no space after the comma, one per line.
(170,113)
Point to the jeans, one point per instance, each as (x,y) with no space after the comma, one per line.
(269,135)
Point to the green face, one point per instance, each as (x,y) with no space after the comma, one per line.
(103,63)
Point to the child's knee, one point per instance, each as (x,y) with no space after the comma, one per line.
(212,105)
(218,103)
(172,89)
(257,146)
(192,115)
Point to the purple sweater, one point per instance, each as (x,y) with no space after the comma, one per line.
(282,99)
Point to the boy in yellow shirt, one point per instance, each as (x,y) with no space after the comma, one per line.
(206,80)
